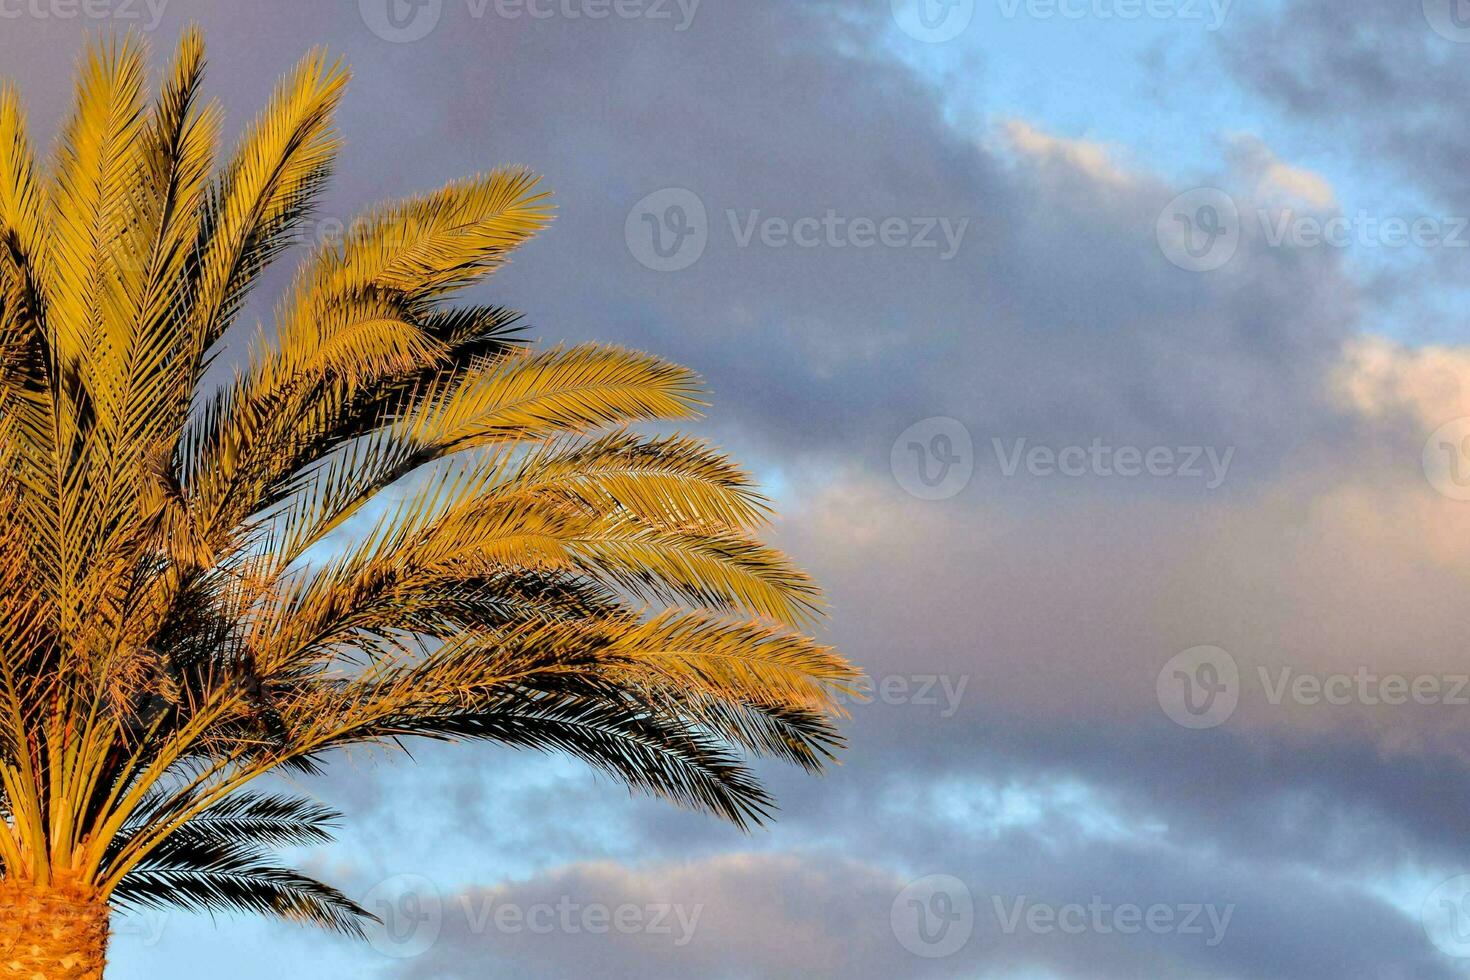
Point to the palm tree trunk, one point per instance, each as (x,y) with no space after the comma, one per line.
(51,933)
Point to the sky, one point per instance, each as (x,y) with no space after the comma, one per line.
(1109,361)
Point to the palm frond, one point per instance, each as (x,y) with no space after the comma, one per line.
(397,520)
(244,885)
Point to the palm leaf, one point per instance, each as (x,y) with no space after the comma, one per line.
(396,520)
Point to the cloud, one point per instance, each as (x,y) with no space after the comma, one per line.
(1019,900)
(1056,600)
(675,920)
(1383,79)
(1382,379)
(1058,322)
(1276,182)
(1092,159)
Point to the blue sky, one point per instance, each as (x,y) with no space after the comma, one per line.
(1259,493)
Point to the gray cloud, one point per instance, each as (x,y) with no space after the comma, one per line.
(819,914)
(1382,77)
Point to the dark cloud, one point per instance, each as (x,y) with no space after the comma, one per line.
(1057,318)
(1375,74)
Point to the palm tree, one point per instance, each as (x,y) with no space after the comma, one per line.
(395,519)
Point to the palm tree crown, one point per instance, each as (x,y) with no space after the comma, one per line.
(512,560)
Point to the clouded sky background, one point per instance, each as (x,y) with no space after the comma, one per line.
(1110,361)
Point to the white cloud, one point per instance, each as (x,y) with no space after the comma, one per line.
(1096,160)
(1382,379)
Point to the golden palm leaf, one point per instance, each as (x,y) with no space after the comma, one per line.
(397,520)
